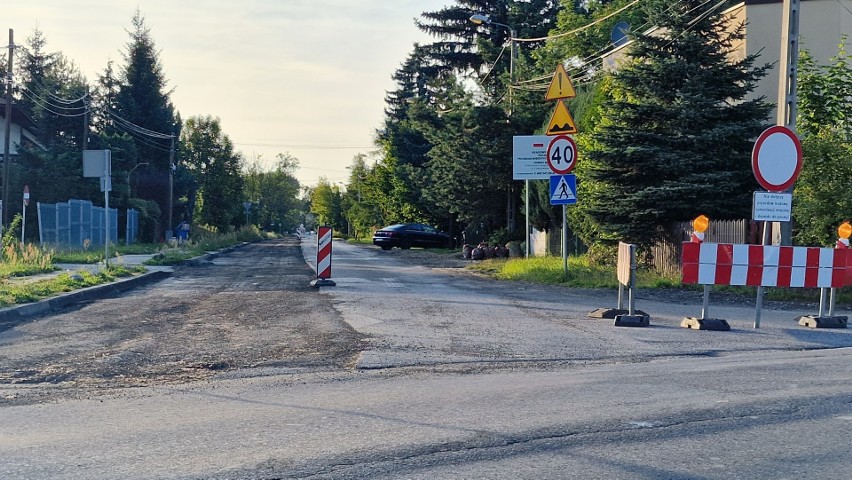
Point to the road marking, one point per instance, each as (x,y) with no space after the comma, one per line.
(643,424)
(393,283)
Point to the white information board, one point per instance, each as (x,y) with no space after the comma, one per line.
(529,157)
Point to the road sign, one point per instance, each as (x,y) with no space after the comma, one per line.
(772,207)
(561,121)
(562,154)
(776,159)
(560,86)
(563,189)
(26,195)
(529,157)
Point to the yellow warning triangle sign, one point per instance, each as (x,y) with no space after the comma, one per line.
(560,86)
(561,121)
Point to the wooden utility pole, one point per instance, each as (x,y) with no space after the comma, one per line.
(7,140)
(788,82)
(171,183)
(86,121)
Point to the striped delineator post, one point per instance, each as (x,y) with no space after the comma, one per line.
(324,235)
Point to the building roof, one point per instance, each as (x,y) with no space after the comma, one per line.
(18,116)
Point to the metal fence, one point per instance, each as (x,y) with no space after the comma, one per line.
(78,223)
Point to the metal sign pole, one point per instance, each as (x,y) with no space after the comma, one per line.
(107,172)
(565,241)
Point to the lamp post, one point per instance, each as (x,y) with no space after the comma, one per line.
(480,19)
(129,189)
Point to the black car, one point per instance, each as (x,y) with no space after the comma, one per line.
(407,235)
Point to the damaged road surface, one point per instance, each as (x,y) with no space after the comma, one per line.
(410,368)
(249,309)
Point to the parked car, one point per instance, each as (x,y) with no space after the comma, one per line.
(407,235)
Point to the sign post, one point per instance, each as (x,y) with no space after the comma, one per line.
(24,214)
(561,153)
(98,163)
(776,161)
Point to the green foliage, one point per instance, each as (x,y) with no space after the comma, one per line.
(824,94)
(12,293)
(208,154)
(326,204)
(822,199)
(275,193)
(143,99)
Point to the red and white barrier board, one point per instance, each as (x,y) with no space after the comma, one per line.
(324,253)
(766,265)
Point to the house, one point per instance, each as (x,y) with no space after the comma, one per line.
(21,131)
(822,24)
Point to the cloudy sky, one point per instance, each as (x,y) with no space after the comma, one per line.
(304,77)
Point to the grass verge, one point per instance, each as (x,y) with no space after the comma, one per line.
(582,274)
(15,292)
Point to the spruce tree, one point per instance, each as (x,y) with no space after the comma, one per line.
(143,101)
(676,131)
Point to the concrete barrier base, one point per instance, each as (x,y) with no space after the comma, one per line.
(716,324)
(632,320)
(321,282)
(611,313)
(813,321)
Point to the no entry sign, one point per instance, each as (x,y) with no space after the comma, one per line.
(776,159)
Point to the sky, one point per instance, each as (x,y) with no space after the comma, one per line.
(302,77)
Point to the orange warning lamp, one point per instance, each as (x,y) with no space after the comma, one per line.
(699,226)
(844,230)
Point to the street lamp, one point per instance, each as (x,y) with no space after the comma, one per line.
(129,189)
(480,19)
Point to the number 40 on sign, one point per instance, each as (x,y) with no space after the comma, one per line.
(562,154)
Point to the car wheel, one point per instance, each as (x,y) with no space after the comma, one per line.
(386,247)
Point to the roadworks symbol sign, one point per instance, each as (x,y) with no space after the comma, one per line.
(561,121)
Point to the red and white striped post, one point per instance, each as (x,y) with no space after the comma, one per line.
(324,235)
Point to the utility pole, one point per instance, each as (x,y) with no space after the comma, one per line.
(171,182)
(788,82)
(86,121)
(7,140)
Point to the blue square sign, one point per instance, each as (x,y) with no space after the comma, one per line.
(563,189)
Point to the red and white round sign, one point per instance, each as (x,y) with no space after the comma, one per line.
(562,154)
(777,159)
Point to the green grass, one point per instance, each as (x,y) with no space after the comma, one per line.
(12,293)
(582,274)
(32,260)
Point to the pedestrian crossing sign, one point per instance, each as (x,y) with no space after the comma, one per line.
(563,189)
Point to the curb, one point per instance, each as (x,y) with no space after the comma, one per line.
(14,313)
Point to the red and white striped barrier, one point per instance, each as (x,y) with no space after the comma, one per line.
(324,253)
(766,265)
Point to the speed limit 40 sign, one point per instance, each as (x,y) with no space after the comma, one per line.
(562,154)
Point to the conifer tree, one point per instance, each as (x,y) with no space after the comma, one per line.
(676,131)
(143,100)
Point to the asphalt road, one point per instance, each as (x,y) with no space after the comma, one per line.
(454,377)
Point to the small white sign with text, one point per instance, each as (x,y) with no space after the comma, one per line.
(772,207)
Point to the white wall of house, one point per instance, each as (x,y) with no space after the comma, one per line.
(15,136)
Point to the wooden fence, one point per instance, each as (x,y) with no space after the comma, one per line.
(665,256)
